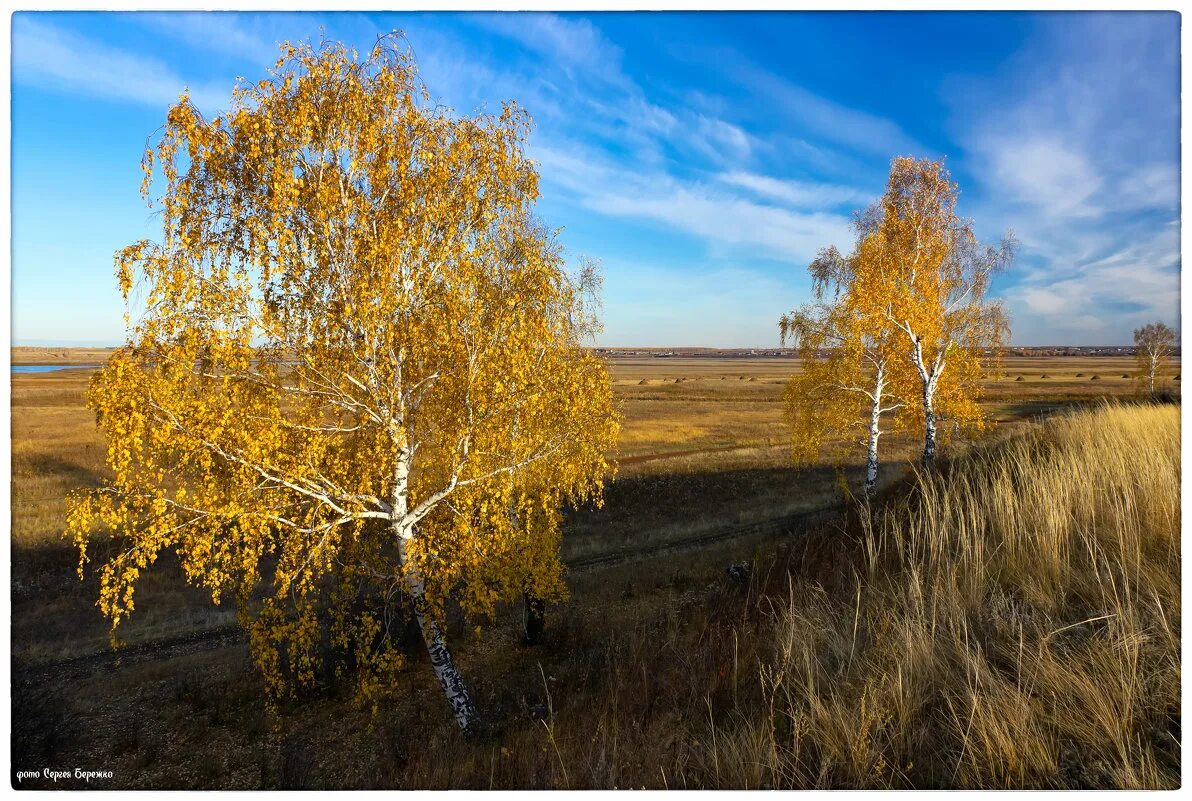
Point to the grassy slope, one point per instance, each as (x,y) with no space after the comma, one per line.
(1015,623)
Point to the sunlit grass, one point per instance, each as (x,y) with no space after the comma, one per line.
(1014,623)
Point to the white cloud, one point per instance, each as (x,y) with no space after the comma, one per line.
(1101,300)
(1082,161)
(765,230)
(827,120)
(720,140)
(1151,186)
(565,42)
(1046,173)
(800,194)
(727,222)
(47,56)
(224,32)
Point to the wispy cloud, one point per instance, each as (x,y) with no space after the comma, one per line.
(799,194)
(47,56)
(565,42)
(727,222)
(732,178)
(229,33)
(1083,163)
(721,141)
(1044,171)
(1101,300)
(820,117)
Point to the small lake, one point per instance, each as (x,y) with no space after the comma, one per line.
(49,368)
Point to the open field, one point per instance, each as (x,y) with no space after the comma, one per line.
(36,355)
(703,449)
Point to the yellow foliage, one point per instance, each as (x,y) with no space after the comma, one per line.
(359,361)
(930,275)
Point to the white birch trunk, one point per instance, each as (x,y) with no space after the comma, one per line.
(441,660)
(875,431)
(929,380)
(929,423)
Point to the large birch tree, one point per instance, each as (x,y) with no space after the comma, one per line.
(932,277)
(354,375)
(853,375)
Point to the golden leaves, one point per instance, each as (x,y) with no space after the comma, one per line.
(909,300)
(347,275)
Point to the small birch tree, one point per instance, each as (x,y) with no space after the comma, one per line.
(851,365)
(358,375)
(1153,344)
(931,275)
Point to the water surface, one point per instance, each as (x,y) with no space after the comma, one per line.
(49,368)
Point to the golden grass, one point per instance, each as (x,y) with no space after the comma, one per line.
(698,456)
(47,355)
(1014,623)
(960,641)
(56,449)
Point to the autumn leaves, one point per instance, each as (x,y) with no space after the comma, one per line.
(359,386)
(900,330)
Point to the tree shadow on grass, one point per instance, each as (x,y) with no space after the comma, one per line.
(644,509)
(72,473)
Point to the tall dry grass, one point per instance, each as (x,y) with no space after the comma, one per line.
(1014,623)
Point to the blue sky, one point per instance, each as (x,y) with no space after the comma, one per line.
(703,157)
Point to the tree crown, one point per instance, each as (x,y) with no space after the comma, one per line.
(352,322)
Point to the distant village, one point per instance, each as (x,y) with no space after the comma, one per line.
(791,353)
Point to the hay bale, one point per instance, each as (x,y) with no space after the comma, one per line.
(1095,378)
(753,379)
(1019,378)
(642,383)
(1125,375)
(1080,375)
(1045,375)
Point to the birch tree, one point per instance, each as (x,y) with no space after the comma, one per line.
(852,369)
(932,276)
(354,371)
(1153,345)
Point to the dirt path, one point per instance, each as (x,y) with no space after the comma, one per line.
(654,457)
(223,636)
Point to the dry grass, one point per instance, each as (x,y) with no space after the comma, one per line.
(1015,623)
(56,448)
(893,655)
(44,355)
